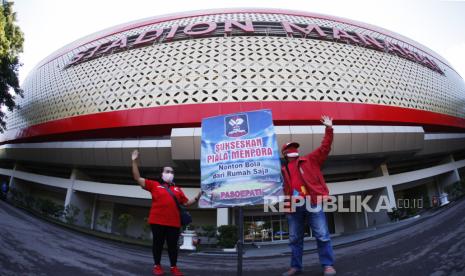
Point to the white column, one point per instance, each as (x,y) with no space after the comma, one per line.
(391,196)
(94,212)
(450,177)
(384,169)
(11,183)
(389,189)
(69,191)
(455,172)
(222,216)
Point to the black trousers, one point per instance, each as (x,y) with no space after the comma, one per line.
(161,233)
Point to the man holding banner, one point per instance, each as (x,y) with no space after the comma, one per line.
(304,181)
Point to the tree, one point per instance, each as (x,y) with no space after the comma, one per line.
(209,231)
(105,219)
(88,217)
(11,45)
(70,213)
(124,221)
(227,237)
(146,227)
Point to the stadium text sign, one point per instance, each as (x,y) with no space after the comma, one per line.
(205,29)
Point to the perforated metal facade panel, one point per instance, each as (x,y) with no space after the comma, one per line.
(234,69)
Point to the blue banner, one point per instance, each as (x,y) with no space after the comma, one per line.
(239,160)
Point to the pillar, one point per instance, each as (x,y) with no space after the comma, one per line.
(11,183)
(388,190)
(222,216)
(69,191)
(381,217)
(81,200)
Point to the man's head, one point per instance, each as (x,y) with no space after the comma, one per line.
(167,174)
(290,150)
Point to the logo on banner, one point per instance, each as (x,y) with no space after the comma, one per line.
(236,125)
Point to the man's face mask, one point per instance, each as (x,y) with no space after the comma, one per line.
(292,152)
(167,176)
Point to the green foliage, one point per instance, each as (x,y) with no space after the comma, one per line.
(455,190)
(104,219)
(16,196)
(29,201)
(70,213)
(227,236)
(11,45)
(209,231)
(88,217)
(394,215)
(49,208)
(146,227)
(123,222)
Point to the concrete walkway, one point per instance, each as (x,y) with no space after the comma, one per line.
(430,245)
(262,250)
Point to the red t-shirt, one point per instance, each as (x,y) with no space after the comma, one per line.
(297,182)
(164,210)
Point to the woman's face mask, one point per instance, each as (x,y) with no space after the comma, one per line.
(167,176)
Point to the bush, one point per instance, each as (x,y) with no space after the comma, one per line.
(104,219)
(455,190)
(29,201)
(49,208)
(16,196)
(88,217)
(70,213)
(209,231)
(394,215)
(227,236)
(146,228)
(124,221)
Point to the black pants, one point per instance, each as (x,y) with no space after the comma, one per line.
(161,233)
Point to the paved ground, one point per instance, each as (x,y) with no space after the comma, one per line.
(281,248)
(30,246)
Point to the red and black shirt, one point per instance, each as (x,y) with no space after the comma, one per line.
(296,179)
(164,210)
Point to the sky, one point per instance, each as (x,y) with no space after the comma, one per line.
(51,24)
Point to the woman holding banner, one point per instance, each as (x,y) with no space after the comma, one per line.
(303,180)
(164,218)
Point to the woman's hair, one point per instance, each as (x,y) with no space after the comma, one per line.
(162,169)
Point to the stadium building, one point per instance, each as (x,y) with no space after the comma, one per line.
(398,109)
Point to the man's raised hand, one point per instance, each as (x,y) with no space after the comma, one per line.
(327,121)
